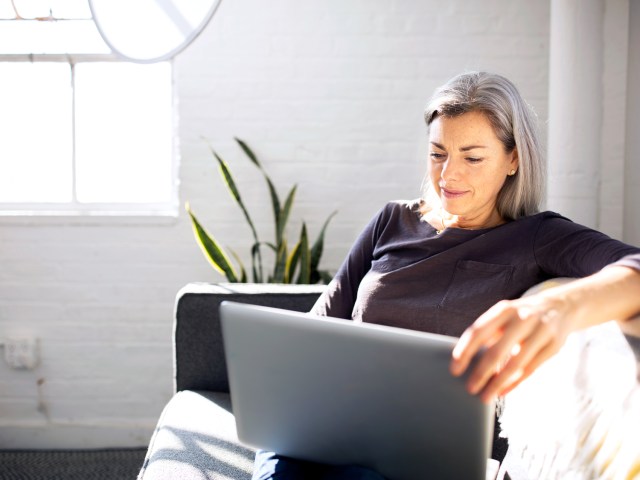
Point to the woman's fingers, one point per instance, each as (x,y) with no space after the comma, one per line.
(483,332)
(517,364)
(517,336)
(513,344)
(544,355)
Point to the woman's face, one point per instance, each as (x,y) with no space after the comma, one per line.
(468,166)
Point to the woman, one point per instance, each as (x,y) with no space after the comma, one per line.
(457,261)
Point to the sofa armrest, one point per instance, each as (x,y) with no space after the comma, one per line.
(199,362)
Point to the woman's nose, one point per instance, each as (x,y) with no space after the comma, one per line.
(450,170)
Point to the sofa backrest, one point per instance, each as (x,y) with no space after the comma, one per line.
(199,362)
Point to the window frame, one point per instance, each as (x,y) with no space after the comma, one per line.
(75,211)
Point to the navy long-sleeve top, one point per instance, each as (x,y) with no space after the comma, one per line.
(401,272)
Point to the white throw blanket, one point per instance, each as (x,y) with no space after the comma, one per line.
(578,415)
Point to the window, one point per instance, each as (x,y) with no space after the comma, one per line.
(82,133)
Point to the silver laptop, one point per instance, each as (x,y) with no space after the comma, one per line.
(341,392)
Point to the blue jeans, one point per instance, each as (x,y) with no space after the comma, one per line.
(271,466)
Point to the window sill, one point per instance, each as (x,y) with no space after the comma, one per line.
(90,217)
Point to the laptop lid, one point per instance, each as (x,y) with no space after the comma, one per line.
(341,392)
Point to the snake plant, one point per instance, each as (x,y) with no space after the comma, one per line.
(292,264)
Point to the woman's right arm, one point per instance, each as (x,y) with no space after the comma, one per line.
(521,334)
(339,298)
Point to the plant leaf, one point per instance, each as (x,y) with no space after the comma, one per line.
(275,200)
(243,272)
(284,214)
(249,152)
(318,246)
(325,276)
(233,190)
(225,173)
(292,263)
(271,246)
(256,262)
(275,205)
(281,263)
(305,257)
(211,249)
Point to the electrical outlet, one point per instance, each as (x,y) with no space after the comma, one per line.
(21,353)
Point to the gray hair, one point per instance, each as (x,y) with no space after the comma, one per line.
(515,125)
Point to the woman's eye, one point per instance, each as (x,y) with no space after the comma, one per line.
(437,156)
(473,159)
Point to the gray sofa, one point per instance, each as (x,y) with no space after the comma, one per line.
(196,439)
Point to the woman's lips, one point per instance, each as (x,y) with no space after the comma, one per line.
(452,193)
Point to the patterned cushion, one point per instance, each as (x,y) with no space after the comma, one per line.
(196,439)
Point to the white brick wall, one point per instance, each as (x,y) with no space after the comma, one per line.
(613,139)
(632,166)
(330,94)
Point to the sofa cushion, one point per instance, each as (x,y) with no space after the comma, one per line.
(196,439)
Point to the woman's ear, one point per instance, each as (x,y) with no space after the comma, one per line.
(515,160)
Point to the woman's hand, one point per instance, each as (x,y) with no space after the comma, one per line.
(516,336)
